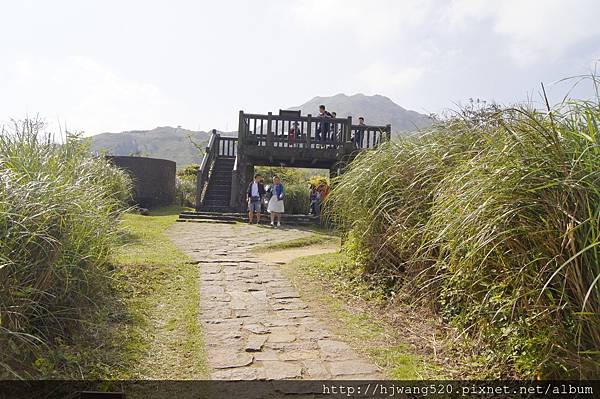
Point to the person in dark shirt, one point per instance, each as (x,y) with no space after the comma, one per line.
(256,191)
(359,133)
(322,126)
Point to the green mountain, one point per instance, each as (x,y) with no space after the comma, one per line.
(165,142)
(377,110)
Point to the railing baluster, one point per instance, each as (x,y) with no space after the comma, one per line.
(308,130)
(269,130)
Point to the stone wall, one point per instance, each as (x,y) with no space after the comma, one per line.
(154,179)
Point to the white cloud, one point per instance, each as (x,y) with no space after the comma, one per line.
(379,75)
(196,63)
(534,31)
(83,94)
(370,24)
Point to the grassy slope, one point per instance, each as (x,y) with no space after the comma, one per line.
(323,285)
(145,326)
(161,290)
(314,239)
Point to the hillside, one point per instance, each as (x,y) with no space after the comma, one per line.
(162,142)
(377,110)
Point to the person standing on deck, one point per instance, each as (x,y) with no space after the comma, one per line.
(293,134)
(322,127)
(275,207)
(359,134)
(256,190)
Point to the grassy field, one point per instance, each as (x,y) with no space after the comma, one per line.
(161,289)
(314,239)
(145,327)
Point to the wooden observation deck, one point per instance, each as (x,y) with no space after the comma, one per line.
(287,139)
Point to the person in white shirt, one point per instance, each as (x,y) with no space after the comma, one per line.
(256,191)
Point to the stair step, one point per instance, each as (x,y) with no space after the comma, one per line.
(219,203)
(213,199)
(207,221)
(204,213)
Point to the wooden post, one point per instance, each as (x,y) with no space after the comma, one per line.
(269,131)
(388,131)
(241,128)
(235,186)
(308,130)
(217,147)
(348,130)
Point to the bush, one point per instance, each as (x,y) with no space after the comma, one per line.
(58,222)
(494,216)
(185,185)
(297,199)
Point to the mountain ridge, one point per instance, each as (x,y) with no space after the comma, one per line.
(376,109)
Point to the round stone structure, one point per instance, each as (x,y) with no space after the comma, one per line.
(153,179)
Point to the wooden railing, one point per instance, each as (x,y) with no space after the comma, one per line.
(308,132)
(210,154)
(227,147)
(370,136)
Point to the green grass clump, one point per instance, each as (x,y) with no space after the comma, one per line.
(313,239)
(59,210)
(492,217)
(297,198)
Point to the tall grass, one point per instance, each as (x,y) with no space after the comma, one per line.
(58,222)
(493,218)
(297,198)
(185,185)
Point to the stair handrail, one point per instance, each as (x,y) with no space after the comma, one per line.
(210,155)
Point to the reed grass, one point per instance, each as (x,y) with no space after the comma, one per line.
(59,210)
(493,218)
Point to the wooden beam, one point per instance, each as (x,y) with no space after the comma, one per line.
(308,130)
(348,129)
(269,131)
(241,130)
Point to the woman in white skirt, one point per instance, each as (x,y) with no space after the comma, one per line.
(275,207)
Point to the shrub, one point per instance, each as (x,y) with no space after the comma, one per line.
(185,185)
(58,222)
(297,199)
(493,218)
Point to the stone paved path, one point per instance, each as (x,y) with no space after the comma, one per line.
(255,324)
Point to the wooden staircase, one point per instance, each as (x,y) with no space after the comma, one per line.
(213,186)
(218,192)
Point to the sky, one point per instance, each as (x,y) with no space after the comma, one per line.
(98,66)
